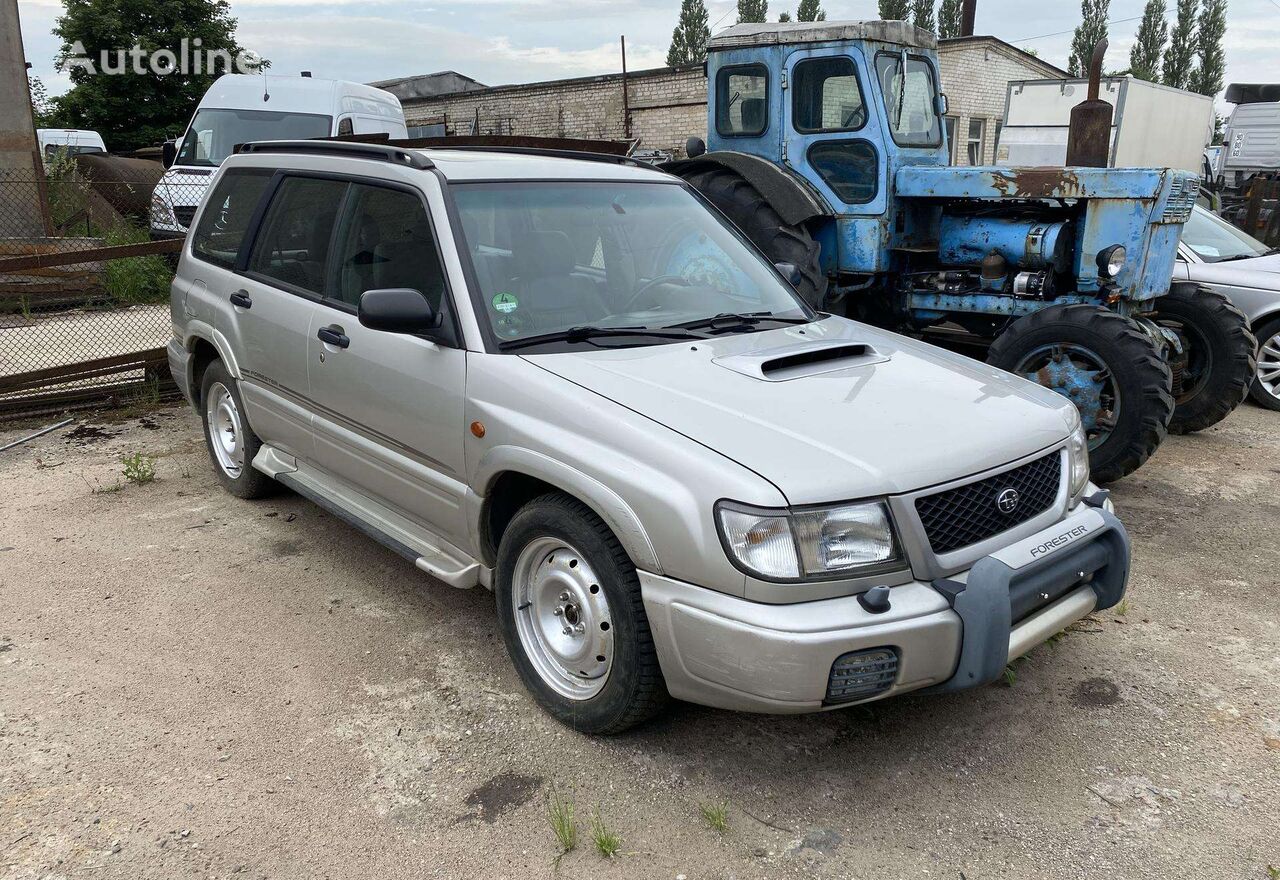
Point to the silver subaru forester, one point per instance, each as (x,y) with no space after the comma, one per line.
(568,379)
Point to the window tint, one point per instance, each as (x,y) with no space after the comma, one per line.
(226,216)
(385,240)
(345,127)
(910,100)
(294,241)
(850,168)
(742,101)
(827,96)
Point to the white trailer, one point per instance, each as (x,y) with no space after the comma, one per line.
(1153,126)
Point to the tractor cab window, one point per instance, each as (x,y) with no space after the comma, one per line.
(742,101)
(911,99)
(826,96)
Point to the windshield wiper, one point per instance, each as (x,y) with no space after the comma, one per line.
(737,319)
(586,334)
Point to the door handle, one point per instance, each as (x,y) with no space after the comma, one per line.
(241,299)
(333,335)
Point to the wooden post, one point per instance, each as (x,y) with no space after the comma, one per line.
(22,205)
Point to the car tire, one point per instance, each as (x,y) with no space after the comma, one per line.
(228,437)
(1265,389)
(1138,378)
(572,619)
(1218,363)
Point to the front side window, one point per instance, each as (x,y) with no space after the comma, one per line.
(826,96)
(293,245)
(215,133)
(557,255)
(1214,240)
(911,99)
(742,101)
(226,216)
(385,240)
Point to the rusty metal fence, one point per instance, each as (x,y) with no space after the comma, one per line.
(84,288)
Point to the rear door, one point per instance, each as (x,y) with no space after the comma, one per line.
(389,406)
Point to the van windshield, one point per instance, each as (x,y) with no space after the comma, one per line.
(550,256)
(215,133)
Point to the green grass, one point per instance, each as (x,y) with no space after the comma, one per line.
(716,815)
(1122,607)
(1273,873)
(1010,675)
(560,816)
(1056,637)
(138,468)
(134,280)
(607,842)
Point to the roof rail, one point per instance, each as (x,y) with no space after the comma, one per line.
(356,150)
(581,155)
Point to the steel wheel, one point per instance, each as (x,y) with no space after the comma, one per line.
(1269,365)
(1081,376)
(562,618)
(226,431)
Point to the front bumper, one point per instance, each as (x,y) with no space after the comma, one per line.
(951,634)
(180,367)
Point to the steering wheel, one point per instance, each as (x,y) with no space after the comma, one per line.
(679,280)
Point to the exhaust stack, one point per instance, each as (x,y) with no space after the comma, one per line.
(1089,138)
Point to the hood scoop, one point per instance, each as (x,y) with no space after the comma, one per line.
(802,359)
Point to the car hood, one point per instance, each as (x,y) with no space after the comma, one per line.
(1253,272)
(831,410)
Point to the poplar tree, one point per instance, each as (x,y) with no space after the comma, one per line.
(689,39)
(752,11)
(1092,31)
(894,10)
(922,15)
(950,17)
(1182,46)
(1144,57)
(810,10)
(1212,62)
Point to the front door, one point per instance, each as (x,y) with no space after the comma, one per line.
(388,407)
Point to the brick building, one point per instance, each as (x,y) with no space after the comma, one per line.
(668,104)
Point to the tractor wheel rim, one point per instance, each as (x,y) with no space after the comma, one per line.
(1197,360)
(1081,375)
(1269,366)
(226,431)
(563,618)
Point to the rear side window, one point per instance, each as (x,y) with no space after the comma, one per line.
(226,217)
(293,246)
(742,101)
(385,240)
(826,96)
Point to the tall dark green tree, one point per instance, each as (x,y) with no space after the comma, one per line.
(895,10)
(689,39)
(133,109)
(810,10)
(784,17)
(1144,57)
(922,15)
(1092,30)
(1180,55)
(752,11)
(1211,62)
(950,15)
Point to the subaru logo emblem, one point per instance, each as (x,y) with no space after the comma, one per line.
(1007,501)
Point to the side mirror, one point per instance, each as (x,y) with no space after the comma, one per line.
(397,310)
(789,271)
(168,154)
(943,106)
(695,147)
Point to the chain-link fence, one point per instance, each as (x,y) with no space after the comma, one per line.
(87,250)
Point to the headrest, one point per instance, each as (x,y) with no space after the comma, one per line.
(539,254)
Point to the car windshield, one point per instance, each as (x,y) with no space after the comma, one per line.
(1214,240)
(550,256)
(215,133)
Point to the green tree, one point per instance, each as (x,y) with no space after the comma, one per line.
(922,15)
(784,16)
(810,10)
(894,10)
(1144,57)
(1092,30)
(1211,65)
(689,39)
(752,11)
(132,109)
(950,17)
(1182,46)
(44,110)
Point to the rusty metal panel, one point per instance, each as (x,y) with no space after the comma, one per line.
(986,182)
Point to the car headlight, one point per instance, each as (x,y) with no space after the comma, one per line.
(1111,260)
(1077,462)
(786,545)
(160,213)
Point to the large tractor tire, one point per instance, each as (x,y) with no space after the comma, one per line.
(1106,366)
(751,212)
(1212,376)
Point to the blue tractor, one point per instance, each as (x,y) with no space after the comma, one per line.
(826,146)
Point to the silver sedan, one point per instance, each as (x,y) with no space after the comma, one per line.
(1215,253)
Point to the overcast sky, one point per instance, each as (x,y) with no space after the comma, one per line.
(510,41)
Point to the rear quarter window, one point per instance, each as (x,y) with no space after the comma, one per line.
(220,233)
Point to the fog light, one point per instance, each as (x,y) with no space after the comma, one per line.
(859,675)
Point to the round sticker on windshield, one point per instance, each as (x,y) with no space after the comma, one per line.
(505,303)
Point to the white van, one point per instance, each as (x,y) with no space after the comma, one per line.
(72,141)
(240,108)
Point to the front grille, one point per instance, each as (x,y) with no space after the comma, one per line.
(1185,189)
(184,214)
(862,674)
(967,514)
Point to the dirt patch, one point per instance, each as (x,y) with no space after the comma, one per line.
(501,794)
(87,435)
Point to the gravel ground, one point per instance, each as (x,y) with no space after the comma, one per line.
(196,686)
